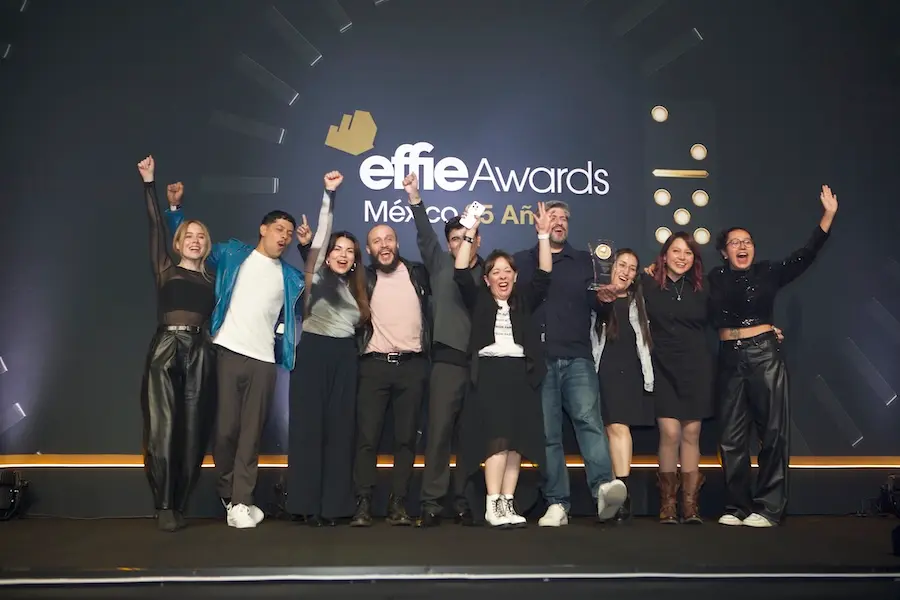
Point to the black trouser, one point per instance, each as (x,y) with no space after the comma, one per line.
(753,392)
(246,387)
(322,427)
(178,401)
(447,388)
(388,381)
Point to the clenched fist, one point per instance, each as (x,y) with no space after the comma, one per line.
(411,184)
(174,192)
(304,233)
(146,168)
(333,179)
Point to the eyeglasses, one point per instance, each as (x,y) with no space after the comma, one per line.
(736,243)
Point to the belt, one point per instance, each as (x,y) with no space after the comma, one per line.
(392,357)
(188,328)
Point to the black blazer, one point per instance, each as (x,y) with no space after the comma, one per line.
(523,301)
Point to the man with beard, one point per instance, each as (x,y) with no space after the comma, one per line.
(571,384)
(450,364)
(393,371)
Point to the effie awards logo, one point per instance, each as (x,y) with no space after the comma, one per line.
(356,135)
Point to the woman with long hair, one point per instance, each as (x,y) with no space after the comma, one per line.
(323,385)
(625,372)
(752,379)
(676,301)
(178,393)
(502,419)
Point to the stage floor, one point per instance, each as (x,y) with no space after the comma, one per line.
(58,552)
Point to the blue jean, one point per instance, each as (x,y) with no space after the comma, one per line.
(571,385)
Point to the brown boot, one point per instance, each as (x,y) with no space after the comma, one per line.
(690,492)
(668,497)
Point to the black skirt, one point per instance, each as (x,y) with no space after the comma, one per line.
(501,412)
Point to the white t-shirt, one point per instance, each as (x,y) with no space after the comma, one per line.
(504,343)
(256,302)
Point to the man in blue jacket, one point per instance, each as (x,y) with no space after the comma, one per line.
(253,328)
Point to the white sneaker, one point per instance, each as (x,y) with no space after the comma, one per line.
(730,520)
(555,516)
(610,496)
(757,520)
(495,511)
(256,513)
(515,519)
(239,517)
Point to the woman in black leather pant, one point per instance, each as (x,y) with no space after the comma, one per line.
(178,394)
(752,380)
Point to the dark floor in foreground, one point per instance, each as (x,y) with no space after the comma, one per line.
(31,547)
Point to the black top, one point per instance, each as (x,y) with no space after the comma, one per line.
(483,308)
(184,297)
(747,298)
(677,314)
(564,319)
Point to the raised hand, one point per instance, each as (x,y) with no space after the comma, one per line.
(304,233)
(411,184)
(333,180)
(542,220)
(829,200)
(174,192)
(146,168)
(650,269)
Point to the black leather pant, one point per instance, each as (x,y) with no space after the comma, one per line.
(753,392)
(178,402)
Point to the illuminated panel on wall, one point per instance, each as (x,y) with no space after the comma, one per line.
(680,171)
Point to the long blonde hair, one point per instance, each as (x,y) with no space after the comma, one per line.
(178,240)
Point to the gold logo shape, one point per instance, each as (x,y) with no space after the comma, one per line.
(603,251)
(355,135)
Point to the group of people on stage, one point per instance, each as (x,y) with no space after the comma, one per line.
(502,346)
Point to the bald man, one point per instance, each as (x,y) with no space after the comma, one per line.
(393,371)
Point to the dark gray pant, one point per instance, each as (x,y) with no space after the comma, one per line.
(246,387)
(447,389)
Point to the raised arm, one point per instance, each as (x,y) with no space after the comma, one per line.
(433,255)
(540,282)
(796,264)
(317,252)
(461,274)
(160,260)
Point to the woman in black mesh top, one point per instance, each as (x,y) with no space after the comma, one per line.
(178,394)
(752,380)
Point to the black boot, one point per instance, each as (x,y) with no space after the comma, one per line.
(397,514)
(179,519)
(363,515)
(165,521)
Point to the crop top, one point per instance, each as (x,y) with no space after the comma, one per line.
(746,298)
(184,297)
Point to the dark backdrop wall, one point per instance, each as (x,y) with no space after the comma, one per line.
(92,87)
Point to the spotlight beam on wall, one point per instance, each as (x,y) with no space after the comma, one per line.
(292,37)
(637,14)
(214,184)
(277,88)
(671,52)
(337,14)
(248,127)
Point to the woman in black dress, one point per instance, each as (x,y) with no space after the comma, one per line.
(683,367)
(502,419)
(625,372)
(752,379)
(178,395)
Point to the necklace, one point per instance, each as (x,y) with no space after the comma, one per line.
(678,291)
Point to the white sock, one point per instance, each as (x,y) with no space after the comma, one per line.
(508,496)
